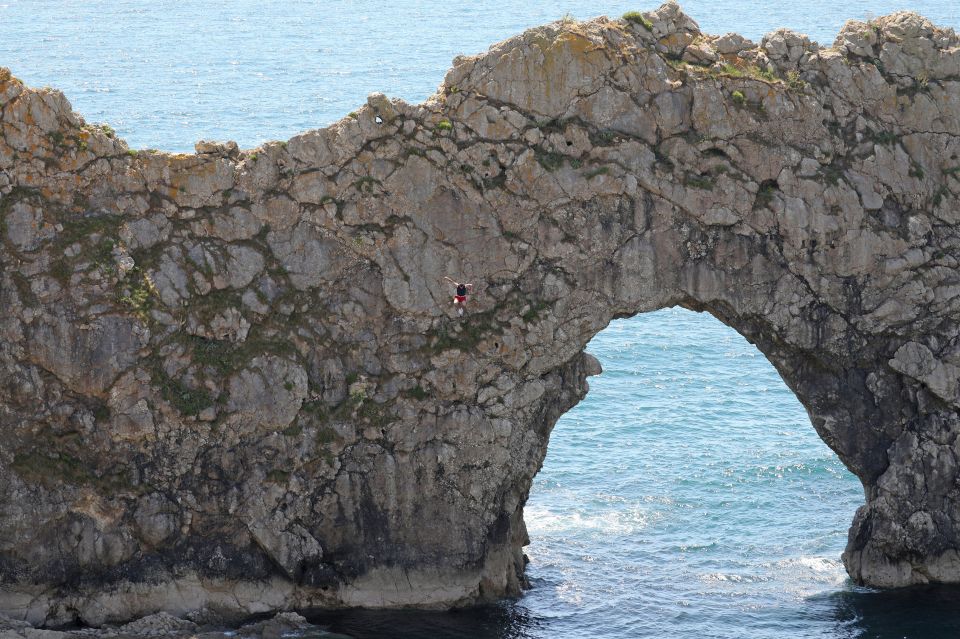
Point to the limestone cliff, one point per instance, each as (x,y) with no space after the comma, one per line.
(234,380)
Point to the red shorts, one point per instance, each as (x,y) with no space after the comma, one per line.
(459,299)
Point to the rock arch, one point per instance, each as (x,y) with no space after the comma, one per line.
(233,379)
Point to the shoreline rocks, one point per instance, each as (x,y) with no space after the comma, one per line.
(162,625)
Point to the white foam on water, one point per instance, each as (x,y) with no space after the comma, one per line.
(542,521)
(734,578)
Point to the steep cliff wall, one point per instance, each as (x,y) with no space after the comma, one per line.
(234,379)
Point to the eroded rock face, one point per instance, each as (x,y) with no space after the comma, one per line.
(234,380)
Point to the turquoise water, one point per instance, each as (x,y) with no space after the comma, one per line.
(687,495)
(692,480)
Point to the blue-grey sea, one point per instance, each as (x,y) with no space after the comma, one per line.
(687,495)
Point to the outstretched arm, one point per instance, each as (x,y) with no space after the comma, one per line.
(451,281)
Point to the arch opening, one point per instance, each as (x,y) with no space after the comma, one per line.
(689,466)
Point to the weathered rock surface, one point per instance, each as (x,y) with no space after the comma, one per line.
(163,625)
(234,381)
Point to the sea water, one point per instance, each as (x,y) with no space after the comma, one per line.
(687,495)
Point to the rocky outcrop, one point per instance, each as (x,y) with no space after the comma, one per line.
(163,625)
(234,381)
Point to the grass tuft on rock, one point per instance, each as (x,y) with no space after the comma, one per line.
(277,476)
(417,393)
(765,194)
(188,401)
(637,17)
(750,71)
(704,182)
(137,292)
(549,160)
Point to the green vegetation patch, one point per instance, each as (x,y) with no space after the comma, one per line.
(96,235)
(326,435)
(496,182)
(535,311)
(794,82)
(704,182)
(638,18)
(37,466)
(206,307)
(728,70)
(444,125)
(57,138)
(937,198)
(366,184)
(315,409)
(750,71)
(884,138)
(765,194)
(663,159)
(101,412)
(877,62)
(58,466)
(293,430)
(604,137)
(374,414)
(188,401)
(474,328)
(553,125)
(277,476)
(549,160)
(80,228)
(22,285)
(61,270)
(418,393)
(137,293)
(226,357)
(832,174)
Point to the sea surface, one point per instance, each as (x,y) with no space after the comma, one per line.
(687,495)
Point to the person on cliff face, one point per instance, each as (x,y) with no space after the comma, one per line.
(460,298)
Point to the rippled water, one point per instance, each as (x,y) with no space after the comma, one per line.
(688,495)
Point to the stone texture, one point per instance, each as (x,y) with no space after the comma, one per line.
(161,623)
(281,625)
(233,383)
